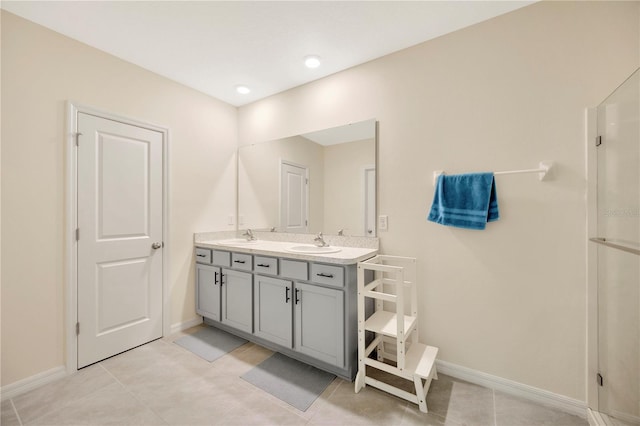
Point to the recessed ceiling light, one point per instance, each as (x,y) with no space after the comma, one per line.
(243,90)
(312,61)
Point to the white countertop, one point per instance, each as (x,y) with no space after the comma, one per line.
(346,255)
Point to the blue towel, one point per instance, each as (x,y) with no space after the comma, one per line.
(465,201)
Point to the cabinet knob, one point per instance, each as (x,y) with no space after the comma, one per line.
(156,246)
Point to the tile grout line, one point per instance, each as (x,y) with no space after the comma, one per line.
(63,405)
(110,374)
(15,410)
(132,394)
(325,401)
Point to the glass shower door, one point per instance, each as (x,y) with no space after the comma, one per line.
(618,254)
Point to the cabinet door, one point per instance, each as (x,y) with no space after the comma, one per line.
(273,314)
(208,291)
(319,323)
(237,299)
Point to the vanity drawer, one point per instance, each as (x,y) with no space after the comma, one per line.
(241,261)
(327,274)
(295,269)
(203,255)
(266,265)
(220,258)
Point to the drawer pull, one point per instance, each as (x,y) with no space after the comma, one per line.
(239,261)
(321,274)
(297,295)
(263,265)
(221,279)
(286,295)
(215,278)
(201,255)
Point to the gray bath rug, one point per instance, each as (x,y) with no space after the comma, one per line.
(210,343)
(296,383)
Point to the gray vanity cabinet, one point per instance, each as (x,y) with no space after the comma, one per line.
(317,312)
(273,314)
(208,291)
(237,299)
(304,309)
(319,323)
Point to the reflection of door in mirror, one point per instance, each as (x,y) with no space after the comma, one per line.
(369,201)
(293,197)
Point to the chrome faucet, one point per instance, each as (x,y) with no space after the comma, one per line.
(249,235)
(341,232)
(320,242)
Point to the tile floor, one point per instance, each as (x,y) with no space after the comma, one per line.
(161,383)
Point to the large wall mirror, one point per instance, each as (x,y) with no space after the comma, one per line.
(323,181)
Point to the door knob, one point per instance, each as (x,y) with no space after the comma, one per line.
(156,246)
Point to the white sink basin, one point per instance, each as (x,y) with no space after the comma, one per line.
(311,249)
(236,242)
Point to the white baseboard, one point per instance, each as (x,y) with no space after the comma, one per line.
(595,419)
(181,326)
(17,388)
(540,396)
(625,417)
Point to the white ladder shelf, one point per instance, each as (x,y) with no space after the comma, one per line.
(410,360)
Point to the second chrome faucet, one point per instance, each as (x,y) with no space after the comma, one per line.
(319,240)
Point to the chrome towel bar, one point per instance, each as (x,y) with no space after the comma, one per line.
(543,170)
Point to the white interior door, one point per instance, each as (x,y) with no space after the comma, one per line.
(293,198)
(120,237)
(370,201)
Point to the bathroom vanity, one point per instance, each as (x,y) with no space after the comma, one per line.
(284,296)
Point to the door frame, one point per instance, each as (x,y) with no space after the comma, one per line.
(71,222)
(363,173)
(591,256)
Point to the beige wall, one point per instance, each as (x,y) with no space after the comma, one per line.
(501,95)
(40,71)
(344,185)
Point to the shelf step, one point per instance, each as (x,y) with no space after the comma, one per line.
(385,323)
(420,360)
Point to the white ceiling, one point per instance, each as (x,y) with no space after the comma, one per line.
(213,46)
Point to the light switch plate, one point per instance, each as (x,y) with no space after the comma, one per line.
(230,221)
(383,222)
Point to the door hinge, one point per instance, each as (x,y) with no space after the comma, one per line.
(77,234)
(77,329)
(600,379)
(77,135)
(598,140)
